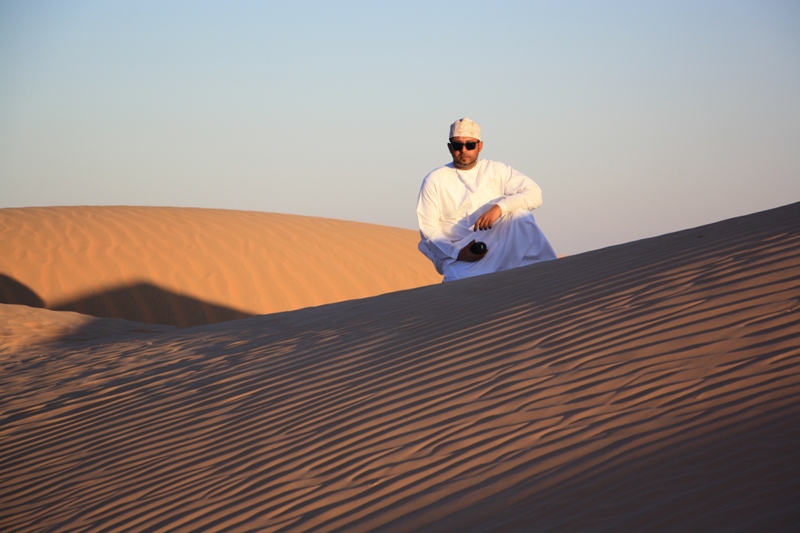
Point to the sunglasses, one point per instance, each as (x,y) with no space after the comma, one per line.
(470,145)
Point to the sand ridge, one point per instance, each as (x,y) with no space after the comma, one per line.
(23,328)
(651,386)
(183,266)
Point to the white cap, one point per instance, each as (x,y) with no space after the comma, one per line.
(465,128)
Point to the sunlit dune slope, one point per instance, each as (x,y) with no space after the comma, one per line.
(197,266)
(652,386)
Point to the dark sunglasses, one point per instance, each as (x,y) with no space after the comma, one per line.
(471,145)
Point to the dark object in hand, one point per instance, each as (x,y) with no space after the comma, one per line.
(478,248)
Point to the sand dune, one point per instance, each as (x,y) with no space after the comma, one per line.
(197,266)
(652,386)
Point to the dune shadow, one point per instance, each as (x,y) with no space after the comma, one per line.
(150,304)
(141,302)
(16,293)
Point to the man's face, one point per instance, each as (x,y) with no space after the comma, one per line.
(463,157)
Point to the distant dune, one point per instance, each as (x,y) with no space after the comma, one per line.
(187,267)
(651,386)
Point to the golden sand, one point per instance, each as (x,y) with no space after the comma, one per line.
(651,386)
(188,267)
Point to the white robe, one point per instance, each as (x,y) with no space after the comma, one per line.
(451,201)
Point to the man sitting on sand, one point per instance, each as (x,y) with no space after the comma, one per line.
(478,195)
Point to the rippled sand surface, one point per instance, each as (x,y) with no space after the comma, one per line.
(651,386)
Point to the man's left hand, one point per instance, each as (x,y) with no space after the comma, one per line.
(488,218)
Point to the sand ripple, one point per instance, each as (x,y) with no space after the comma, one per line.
(652,386)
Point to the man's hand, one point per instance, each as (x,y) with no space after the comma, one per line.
(466,254)
(488,218)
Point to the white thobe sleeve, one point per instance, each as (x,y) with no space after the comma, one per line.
(430,224)
(520,193)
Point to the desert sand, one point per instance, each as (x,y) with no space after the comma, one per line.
(189,267)
(650,386)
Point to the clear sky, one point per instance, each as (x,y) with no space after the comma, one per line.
(636,118)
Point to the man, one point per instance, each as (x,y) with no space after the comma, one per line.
(477,199)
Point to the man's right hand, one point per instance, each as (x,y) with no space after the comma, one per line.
(466,255)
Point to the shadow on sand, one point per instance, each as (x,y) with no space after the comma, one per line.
(14,292)
(141,302)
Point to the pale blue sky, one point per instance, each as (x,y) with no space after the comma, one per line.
(636,118)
